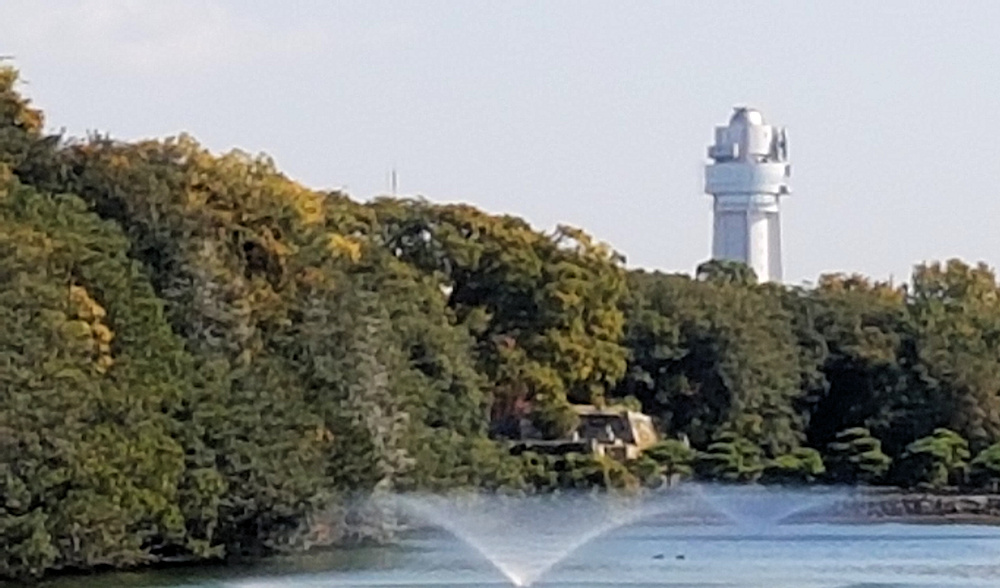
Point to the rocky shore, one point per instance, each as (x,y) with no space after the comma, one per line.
(917,507)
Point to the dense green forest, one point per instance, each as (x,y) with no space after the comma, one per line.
(201,358)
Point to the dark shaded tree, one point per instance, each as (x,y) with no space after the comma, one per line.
(937,461)
(855,456)
(714,356)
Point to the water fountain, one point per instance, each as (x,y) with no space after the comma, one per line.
(525,536)
(761,508)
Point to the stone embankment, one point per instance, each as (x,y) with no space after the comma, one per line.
(911,507)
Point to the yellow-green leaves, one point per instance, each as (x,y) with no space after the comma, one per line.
(88,369)
(88,324)
(544,307)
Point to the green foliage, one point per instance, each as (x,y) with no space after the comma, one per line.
(668,461)
(553,416)
(675,457)
(24,151)
(856,456)
(202,358)
(547,473)
(20,124)
(303,368)
(801,466)
(984,470)
(956,309)
(937,461)
(647,473)
(732,458)
(870,340)
(293,360)
(448,460)
(723,271)
(285,349)
(708,356)
(544,308)
(96,456)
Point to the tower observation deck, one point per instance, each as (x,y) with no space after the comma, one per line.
(747,176)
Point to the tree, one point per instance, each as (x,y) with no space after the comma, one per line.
(100,463)
(937,461)
(733,459)
(553,416)
(722,271)
(867,331)
(855,456)
(543,307)
(801,466)
(303,330)
(984,471)
(708,356)
(24,150)
(673,460)
(956,309)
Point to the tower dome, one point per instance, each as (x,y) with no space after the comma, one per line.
(746,116)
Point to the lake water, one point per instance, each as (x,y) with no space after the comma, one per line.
(637,556)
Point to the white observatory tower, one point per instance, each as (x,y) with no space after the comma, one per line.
(747,177)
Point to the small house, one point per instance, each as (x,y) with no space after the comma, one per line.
(610,431)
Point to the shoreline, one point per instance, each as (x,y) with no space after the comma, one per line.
(918,508)
(876,506)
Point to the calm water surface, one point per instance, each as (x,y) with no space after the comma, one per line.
(641,555)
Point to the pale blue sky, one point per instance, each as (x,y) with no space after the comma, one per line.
(595,114)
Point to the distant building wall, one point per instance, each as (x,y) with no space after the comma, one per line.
(618,434)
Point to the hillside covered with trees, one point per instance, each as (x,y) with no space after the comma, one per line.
(201,358)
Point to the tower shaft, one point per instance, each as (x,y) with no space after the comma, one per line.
(748,229)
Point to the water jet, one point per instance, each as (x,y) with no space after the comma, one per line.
(525,536)
(762,508)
